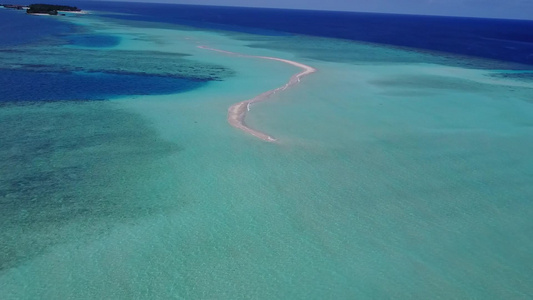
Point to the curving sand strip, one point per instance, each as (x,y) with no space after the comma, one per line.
(237,112)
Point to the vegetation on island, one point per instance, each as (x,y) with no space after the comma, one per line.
(49,9)
(13,6)
(41,8)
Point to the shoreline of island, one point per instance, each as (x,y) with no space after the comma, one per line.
(237,112)
(44,9)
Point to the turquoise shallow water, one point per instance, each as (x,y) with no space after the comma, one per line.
(398,174)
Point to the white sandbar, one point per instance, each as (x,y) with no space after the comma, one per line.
(237,112)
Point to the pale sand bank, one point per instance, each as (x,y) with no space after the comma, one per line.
(237,112)
(79,12)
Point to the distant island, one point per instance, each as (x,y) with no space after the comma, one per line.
(15,6)
(47,9)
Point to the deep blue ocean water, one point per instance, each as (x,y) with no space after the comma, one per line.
(31,35)
(18,29)
(506,40)
(503,40)
(16,85)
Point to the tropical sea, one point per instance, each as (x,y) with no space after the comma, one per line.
(401,169)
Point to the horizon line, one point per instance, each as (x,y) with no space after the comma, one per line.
(324,10)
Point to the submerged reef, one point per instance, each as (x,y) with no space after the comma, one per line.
(152,63)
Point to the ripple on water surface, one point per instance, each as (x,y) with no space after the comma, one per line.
(70,170)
